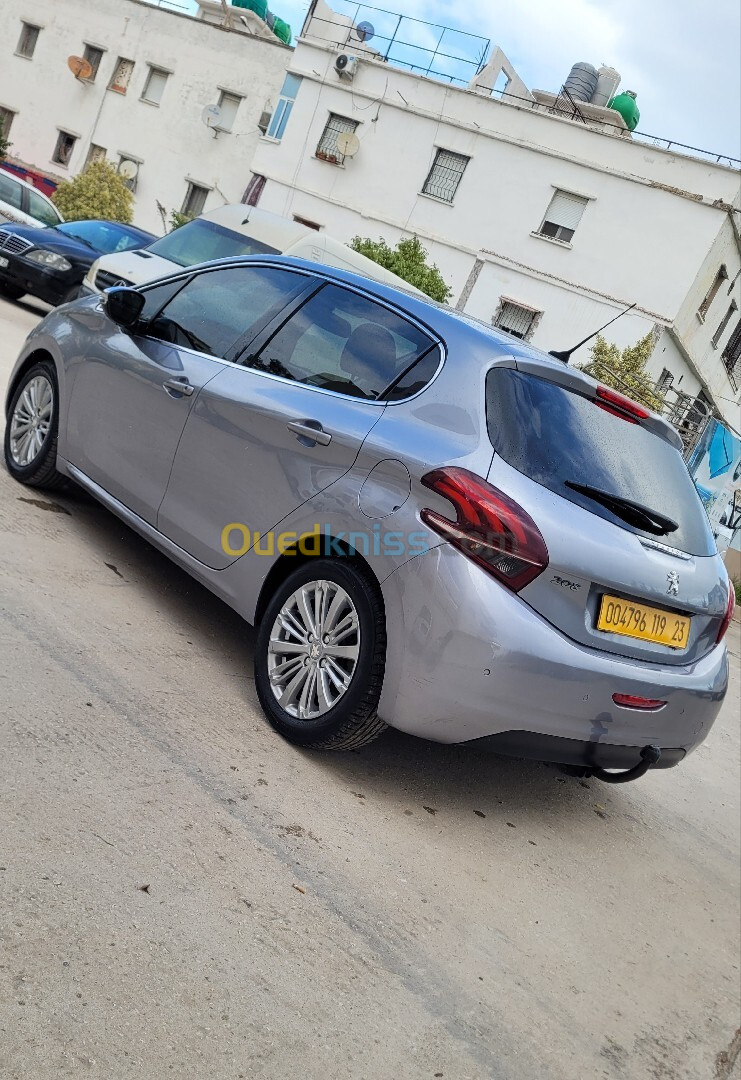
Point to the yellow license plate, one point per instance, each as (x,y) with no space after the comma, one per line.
(626,617)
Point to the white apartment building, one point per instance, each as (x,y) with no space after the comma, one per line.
(547,225)
(153,73)
(544,219)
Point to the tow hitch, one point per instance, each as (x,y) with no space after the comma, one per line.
(649,756)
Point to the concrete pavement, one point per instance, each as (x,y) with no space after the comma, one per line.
(184,894)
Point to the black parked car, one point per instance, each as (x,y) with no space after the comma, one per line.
(51,263)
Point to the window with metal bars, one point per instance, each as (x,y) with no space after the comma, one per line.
(562,216)
(327,148)
(715,340)
(445,175)
(516,320)
(665,381)
(731,356)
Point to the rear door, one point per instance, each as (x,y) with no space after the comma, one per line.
(131,393)
(265,437)
(646,584)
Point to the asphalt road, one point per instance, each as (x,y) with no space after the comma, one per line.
(183,894)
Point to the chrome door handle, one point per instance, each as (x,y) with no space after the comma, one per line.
(310,431)
(178,386)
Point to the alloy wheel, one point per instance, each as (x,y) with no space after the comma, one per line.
(31,420)
(313,650)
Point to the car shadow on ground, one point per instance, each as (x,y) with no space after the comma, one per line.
(31,305)
(437,778)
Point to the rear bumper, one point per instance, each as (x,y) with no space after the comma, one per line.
(529,744)
(468,660)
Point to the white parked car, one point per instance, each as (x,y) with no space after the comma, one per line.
(224,233)
(23,204)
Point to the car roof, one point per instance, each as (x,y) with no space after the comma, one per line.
(24,183)
(264,226)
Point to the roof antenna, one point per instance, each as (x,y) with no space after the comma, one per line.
(565,354)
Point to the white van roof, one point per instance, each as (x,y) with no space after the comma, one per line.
(290,238)
(272,229)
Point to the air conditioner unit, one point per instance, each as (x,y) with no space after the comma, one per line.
(346,66)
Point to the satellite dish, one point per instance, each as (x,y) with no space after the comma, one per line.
(80,68)
(128,169)
(211,116)
(348,144)
(365,31)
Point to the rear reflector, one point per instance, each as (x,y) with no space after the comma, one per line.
(490,528)
(729,613)
(630,701)
(620,405)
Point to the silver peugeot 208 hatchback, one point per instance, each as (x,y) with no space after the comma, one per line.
(432,525)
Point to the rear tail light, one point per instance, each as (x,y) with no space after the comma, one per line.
(620,405)
(729,613)
(490,528)
(630,701)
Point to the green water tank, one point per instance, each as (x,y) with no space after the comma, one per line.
(625,104)
(260,7)
(282,30)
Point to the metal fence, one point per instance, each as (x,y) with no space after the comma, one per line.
(416,44)
(688,415)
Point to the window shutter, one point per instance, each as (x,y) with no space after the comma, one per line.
(566,210)
(155,86)
(229,106)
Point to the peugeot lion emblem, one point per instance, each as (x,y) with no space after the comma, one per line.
(673,578)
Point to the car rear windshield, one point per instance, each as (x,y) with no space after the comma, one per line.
(558,438)
(201,241)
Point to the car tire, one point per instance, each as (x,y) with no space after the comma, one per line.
(11,292)
(329,696)
(34,411)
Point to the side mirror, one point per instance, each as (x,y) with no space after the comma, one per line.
(124,305)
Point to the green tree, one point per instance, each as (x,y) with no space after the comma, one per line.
(178,219)
(625,370)
(4,143)
(409,260)
(98,192)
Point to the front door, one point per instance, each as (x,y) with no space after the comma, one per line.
(130,399)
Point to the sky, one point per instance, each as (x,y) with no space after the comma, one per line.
(682,57)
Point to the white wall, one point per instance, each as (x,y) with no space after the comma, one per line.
(696,333)
(170,140)
(651,222)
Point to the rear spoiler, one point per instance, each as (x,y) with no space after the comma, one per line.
(579,383)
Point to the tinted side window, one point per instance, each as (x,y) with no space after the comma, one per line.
(219,306)
(156,298)
(42,210)
(416,378)
(344,342)
(10,191)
